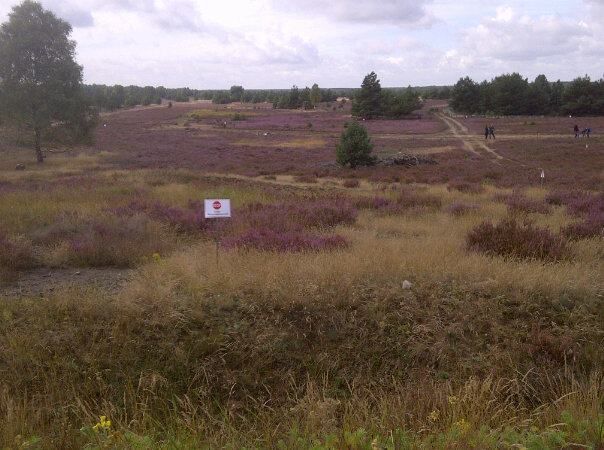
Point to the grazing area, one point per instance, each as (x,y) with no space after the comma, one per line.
(455,304)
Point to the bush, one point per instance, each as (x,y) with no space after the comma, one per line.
(460,208)
(518,203)
(509,238)
(16,253)
(190,220)
(465,187)
(591,226)
(351,183)
(289,241)
(355,147)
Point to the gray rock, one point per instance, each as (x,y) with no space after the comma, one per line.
(20,167)
(407,284)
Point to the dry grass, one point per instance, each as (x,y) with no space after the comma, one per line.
(279,350)
(307,143)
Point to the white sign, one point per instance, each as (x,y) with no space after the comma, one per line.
(217,207)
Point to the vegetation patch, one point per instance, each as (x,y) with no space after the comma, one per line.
(517,240)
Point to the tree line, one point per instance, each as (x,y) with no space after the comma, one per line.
(511,94)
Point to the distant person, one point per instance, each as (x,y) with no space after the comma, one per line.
(576,129)
(486,131)
(584,132)
(588,131)
(492,131)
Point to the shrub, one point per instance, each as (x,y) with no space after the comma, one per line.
(120,242)
(351,183)
(465,187)
(591,226)
(266,239)
(238,117)
(510,238)
(460,208)
(306,179)
(290,216)
(355,147)
(371,202)
(518,203)
(16,253)
(190,220)
(577,202)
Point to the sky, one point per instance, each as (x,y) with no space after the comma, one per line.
(207,44)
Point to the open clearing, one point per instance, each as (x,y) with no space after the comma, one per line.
(341,308)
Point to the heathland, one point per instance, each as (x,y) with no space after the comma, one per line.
(452,302)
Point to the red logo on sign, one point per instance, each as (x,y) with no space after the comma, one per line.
(216,205)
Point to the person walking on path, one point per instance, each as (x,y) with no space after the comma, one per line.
(486,131)
(492,131)
(576,129)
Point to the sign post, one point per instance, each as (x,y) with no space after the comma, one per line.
(217,208)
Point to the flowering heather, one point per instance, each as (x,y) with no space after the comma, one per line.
(591,226)
(284,241)
(351,183)
(294,216)
(510,238)
(16,253)
(460,208)
(577,202)
(190,220)
(465,187)
(518,203)
(120,242)
(371,202)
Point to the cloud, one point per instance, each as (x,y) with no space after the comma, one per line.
(363,12)
(509,36)
(71,11)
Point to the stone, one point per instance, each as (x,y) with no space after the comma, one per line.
(20,167)
(407,284)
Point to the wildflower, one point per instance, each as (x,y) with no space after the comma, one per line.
(463,425)
(452,399)
(102,425)
(434,415)
(156,257)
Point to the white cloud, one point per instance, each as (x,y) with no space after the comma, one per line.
(362,12)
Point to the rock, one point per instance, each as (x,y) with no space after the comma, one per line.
(407,284)
(20,167)
(78,273)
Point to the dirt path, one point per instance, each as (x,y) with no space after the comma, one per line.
(470,142)
(43,282)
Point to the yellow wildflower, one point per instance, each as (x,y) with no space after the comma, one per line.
(434,415)
(156,257)
(463,425)
(452,400)
(102,425)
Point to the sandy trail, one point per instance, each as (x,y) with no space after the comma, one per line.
(470,142)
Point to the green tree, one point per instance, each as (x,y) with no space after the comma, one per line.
(40,82)
(400,104)
(509,94)
(465,96)
(355,146)
(368,101)
(315,94)
(237,93)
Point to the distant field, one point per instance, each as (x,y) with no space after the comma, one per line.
(456,305)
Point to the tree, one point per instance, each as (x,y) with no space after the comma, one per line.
(355,146)
(237,93)
(368,101)
(40,82)
(465,96)
(398,105)
(315,94)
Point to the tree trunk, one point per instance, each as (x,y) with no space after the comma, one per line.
(39,154)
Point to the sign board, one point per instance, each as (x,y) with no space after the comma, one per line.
(217,208)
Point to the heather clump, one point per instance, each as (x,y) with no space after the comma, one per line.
(406,201)
(519,204)
(287,216)
(577,202)
(591,226)
(186,220)
(16,253)
(111,242)
(461,208)
(351,183)
(465,186)
(267,239)
(517,240)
